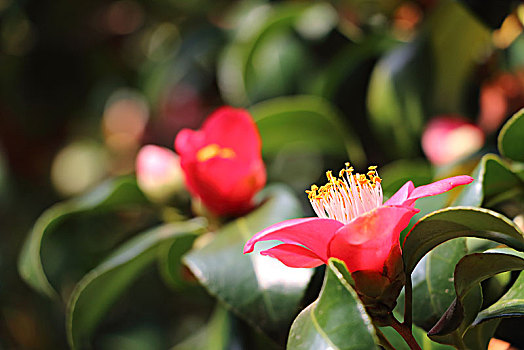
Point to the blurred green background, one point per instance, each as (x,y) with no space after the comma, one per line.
(83,84)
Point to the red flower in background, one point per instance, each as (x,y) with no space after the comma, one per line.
(222,162)
(448,138)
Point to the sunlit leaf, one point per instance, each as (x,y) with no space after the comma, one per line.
(259,289)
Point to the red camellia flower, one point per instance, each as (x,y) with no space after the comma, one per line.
(222,162)
(354,226)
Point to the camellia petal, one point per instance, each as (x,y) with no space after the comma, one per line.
(294,256)
(401,195)
(408,194)
(222,162)
(312,233)
(365,243)
(233,128)
(439,187)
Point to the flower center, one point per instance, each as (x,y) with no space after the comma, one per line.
(213,150)
(348,196)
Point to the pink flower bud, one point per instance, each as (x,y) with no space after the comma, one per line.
(158,172)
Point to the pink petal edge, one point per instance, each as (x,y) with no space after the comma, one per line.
(312,233)
(440,186)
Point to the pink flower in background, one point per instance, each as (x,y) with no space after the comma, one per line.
(222,161)
(450,137)
(158,172)
(353,225)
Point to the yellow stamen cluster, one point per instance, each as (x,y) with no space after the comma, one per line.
(213,150)
(347,196)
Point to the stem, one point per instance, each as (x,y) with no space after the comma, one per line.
(408,302)
(405,332)
(383,341)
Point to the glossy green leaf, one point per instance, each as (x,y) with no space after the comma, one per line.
(114,194)
(494,181)
(336,320)
(510,305)
(491,13)
(305,121)
(259,289)
(510,137)
(101,287)
(445,224)
(469,272)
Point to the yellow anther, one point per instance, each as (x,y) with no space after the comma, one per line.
(213,150)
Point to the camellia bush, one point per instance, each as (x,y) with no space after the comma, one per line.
(219,238)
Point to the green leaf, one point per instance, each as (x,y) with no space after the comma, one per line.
(336,320)
(420,335)
(111,195)
(305,121)
(170,260)
(432,283)
(494,181)
(397,97)
(511,136)
(259,289)
(101,287)
(214,336)
(478,336)
(469,272)
(455,57)
(491,13)
(445,224)
(510,305)
(346,63)
(264,58)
